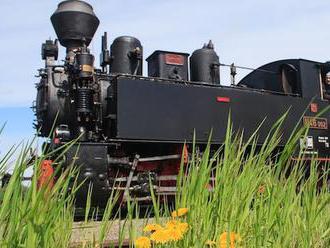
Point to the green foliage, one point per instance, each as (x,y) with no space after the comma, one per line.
(252,195)
(31,217)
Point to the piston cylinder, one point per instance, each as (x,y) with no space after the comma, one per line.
(84,101)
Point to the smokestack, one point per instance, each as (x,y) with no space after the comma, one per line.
(75,23)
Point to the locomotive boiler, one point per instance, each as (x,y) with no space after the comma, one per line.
(131,129)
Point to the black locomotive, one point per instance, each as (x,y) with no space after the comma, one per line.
(132,128)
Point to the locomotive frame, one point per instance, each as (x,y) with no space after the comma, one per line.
(133,128)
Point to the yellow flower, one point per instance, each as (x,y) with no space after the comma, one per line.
(152,228)
(183,227)
(174,224)
(179,212)
(210,243)
(173,231)
(233,239)
(174,234)
(171,223)
(161,236)
(142,242)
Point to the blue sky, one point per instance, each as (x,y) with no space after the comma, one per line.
(249,33)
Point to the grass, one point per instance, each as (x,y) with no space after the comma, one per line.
(253,197)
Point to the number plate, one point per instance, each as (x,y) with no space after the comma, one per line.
(315,122)
(174,59)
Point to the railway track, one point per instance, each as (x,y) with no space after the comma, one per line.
(83,234)
(106,244)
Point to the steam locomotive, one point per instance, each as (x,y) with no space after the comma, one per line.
(132,128)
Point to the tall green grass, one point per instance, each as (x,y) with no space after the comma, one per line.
(257,192)
(254,196)
(251,193)
(35,217)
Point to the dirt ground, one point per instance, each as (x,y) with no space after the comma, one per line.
(86,233)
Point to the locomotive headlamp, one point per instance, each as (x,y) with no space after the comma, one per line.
(49,49)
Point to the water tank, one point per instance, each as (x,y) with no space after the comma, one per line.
(126,56)
(204,65)
(75,23)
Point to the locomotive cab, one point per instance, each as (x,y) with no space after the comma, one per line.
(325,77)
(296,77)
